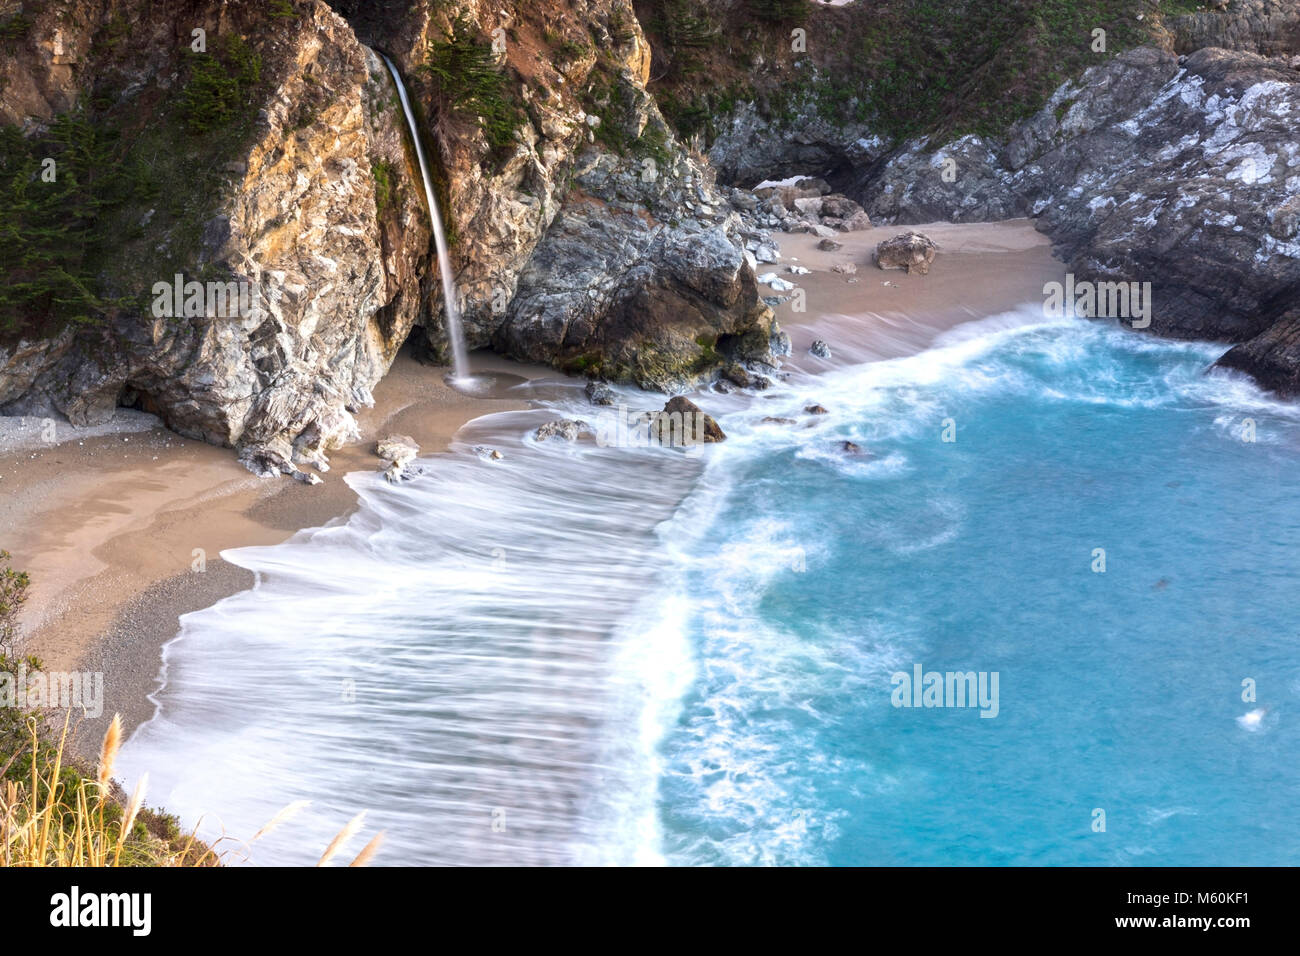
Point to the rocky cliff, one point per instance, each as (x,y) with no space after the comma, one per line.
(270,153)
(232,146)
(1170,156)
(1182,172)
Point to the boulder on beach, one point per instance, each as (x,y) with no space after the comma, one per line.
(829,245)
(912,251)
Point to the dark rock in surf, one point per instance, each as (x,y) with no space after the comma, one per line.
(598,393)
(694,420)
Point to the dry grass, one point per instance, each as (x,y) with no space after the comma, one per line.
(57,816)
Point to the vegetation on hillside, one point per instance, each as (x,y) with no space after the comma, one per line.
(113,195)
(907,67)
(469,88)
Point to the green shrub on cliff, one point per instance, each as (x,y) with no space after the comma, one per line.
(220,85)
(907,67)
(53,190)
(470,87)
(382,171)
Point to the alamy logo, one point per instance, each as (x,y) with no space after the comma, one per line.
(23,690)
(1105,300)
(237,299)
(72,909)
(923,688)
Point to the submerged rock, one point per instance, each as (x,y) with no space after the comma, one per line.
(820,349)
(913,251)
(851,448)
(568,429)
(487,454)
(816,410)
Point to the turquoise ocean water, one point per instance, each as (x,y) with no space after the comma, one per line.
(586,654)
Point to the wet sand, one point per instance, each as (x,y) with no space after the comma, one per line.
(123,533)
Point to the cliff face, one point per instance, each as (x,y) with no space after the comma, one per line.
(594,242)
(291,212)
(1172,162)
(1184,173)
(289,170)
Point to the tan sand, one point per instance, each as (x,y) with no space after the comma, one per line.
(873,313)
(113,528)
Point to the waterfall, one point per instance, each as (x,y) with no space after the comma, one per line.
(451,306)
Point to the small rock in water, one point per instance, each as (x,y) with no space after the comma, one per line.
(799,270)
(816,410)
(737,374)
(829,245)
(691,414)
(307,478)
(398,450)
(486,453)
(850,448)
(820,349)
(771,420)
(780,343)
(567,428)
(845,268)
(598,393)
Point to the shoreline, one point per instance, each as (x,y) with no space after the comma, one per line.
(114,529)
(108,525)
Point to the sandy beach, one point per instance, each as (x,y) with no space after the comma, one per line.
(123,533)
(115,528)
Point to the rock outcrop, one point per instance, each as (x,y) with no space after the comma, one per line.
(293,219)
(1267,27)
(588,240)
(751,147)
(1181,172)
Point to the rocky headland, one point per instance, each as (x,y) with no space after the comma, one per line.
(596,164)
